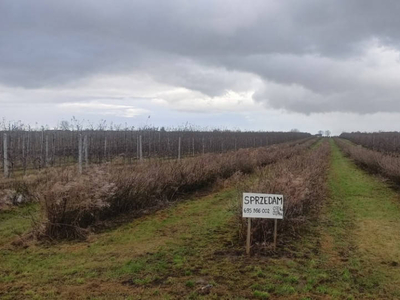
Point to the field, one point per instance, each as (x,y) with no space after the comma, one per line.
(172,229)
(29,149)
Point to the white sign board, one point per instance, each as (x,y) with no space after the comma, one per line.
(268,206)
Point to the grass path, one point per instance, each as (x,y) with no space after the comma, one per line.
(361,231)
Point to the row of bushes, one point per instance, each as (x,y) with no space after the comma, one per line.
(386,142)
(19,190)
(71,204)
(301,179)
(376,162)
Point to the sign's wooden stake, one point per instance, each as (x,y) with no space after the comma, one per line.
(248,241)
(263,206)
(275,232)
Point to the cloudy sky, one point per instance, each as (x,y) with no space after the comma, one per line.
(259,65)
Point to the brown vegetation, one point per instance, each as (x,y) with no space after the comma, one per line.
(386,142)
(387,165)
(37,149)
(71,203)
(301,179)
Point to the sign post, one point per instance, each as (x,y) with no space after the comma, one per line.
(266,206)
(275,232)
(248,236)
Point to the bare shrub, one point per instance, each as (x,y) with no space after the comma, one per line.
(301,179)
(71,203)
(385,142)
(387,165)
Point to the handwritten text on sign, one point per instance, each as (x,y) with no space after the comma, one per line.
(269,206)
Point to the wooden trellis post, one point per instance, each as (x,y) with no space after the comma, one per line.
(80,154)
(140,148)
(24,153)
(86,150)
(5,155)
(46,158)
(179,148)
(105,148)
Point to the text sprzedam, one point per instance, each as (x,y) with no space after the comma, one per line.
(271,200)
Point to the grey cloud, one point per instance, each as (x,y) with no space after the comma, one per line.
(309,54)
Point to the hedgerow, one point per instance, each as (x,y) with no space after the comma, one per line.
(71,203)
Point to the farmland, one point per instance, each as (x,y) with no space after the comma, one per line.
(199,150)
(29,149)
(166,228)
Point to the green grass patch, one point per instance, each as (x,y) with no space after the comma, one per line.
(362,221)
(17,221)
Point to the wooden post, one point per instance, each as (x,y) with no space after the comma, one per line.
(53,154)
(80,153)
(105,148)
(149,144)
(126,146)
(137,147)
(86,150)
(193,145)
(46,159)
(5,155)
(140,148)
(248,240)
(179,148)
(275,232)
(28,144)
(24,153)
(159,143)
(203,146)
(41,151)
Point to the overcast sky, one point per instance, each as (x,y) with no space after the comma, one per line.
(259,65)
